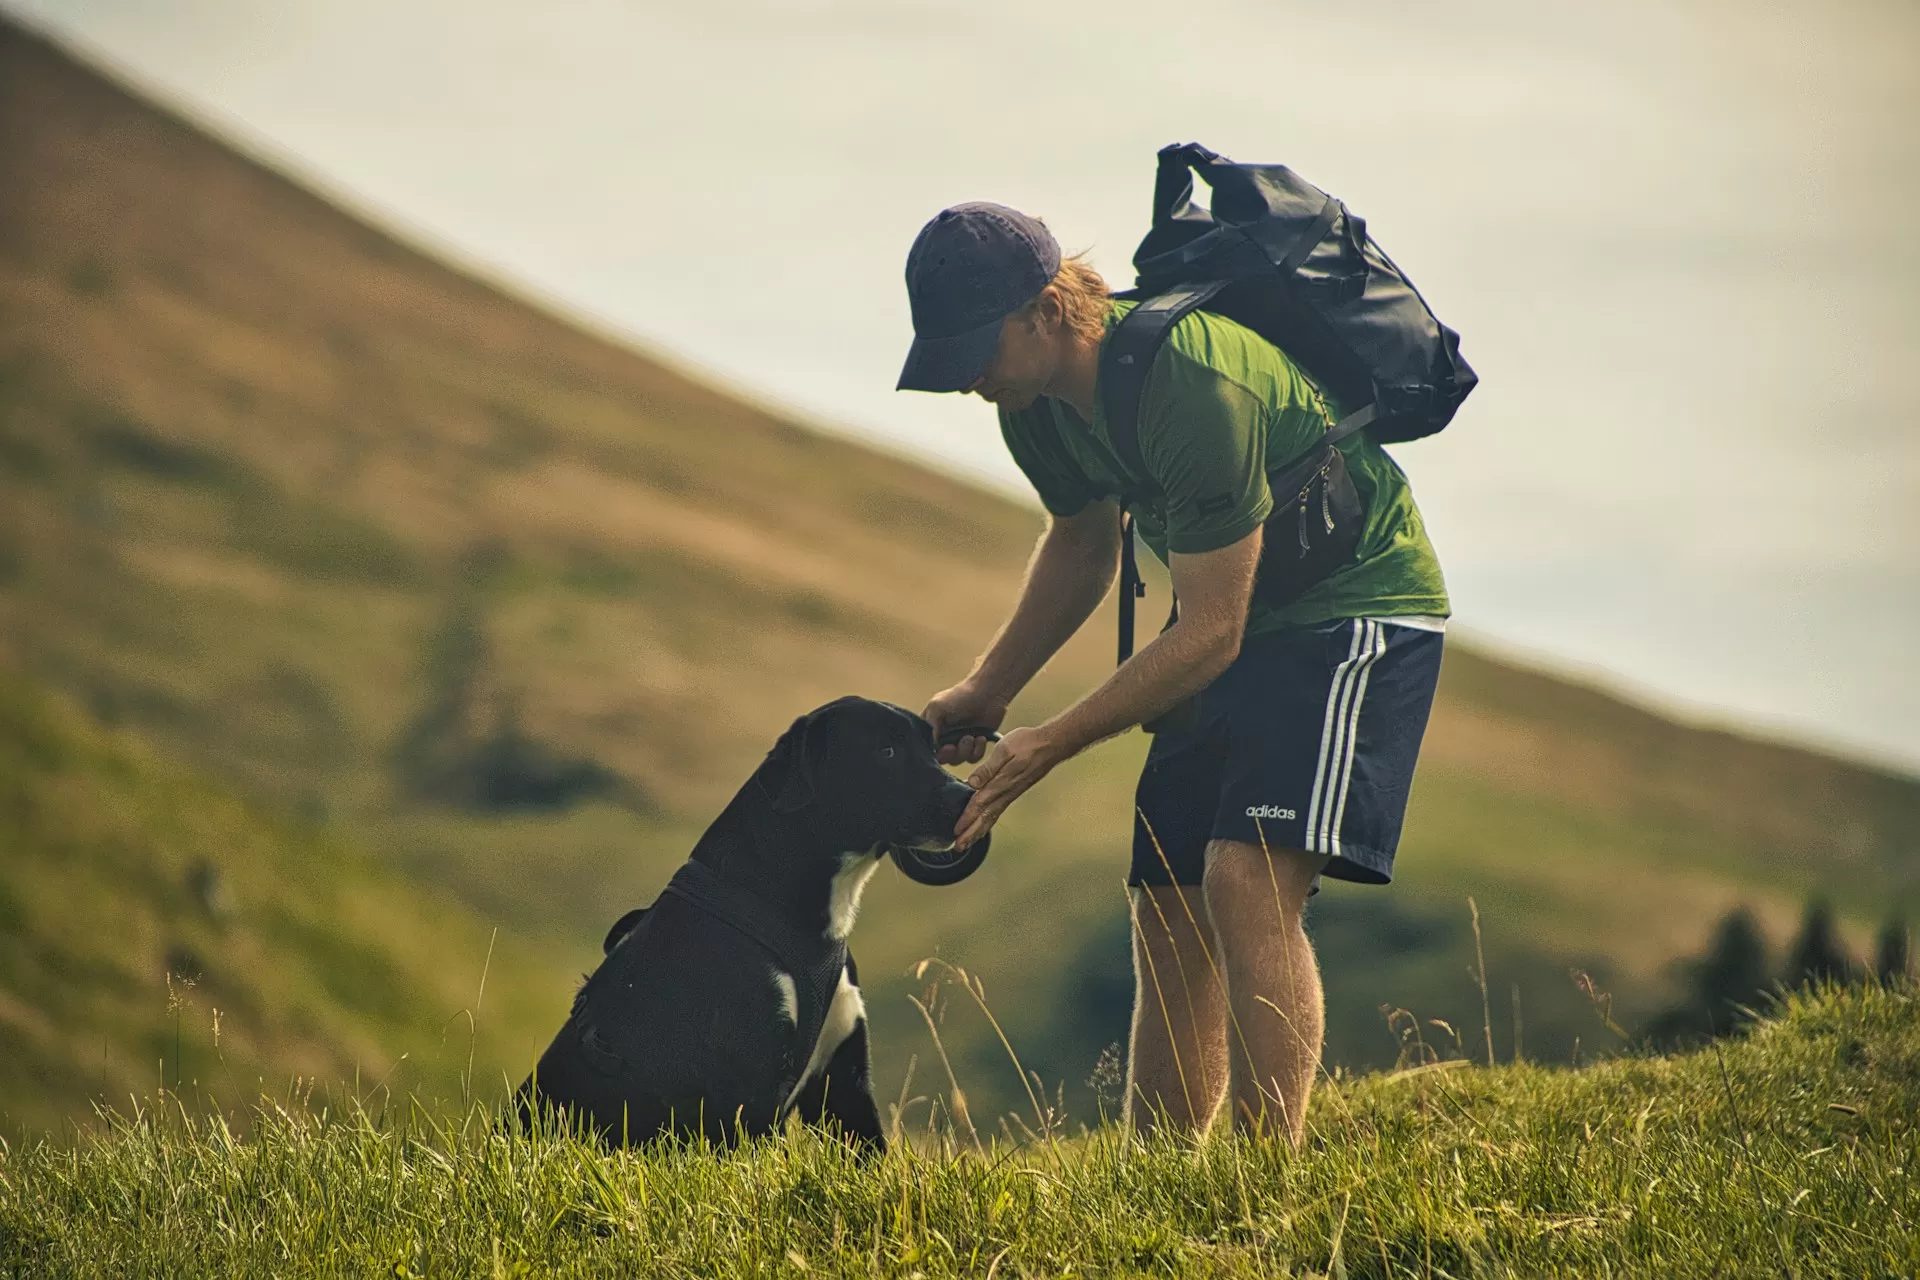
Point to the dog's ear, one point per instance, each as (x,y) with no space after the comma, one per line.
(793,754)
(790,753)
(625,925)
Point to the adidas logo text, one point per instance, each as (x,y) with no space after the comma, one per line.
(1269,811)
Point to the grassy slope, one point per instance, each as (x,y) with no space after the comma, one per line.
(256,459)
(1797,1156)
(115,961)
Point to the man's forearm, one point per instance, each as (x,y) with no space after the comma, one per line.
(1071,570)
(1182,660)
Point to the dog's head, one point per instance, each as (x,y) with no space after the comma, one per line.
(864,776)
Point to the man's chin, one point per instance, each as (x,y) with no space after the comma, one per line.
(1015,401)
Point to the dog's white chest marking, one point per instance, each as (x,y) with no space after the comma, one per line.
(789,996)
(846,1008)
(844,900)
(843,1015)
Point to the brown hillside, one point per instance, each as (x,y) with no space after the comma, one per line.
(167,298)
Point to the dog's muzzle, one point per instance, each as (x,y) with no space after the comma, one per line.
(940,866)
(930,860)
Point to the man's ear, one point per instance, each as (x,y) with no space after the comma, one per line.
(1049,311)
(796,791)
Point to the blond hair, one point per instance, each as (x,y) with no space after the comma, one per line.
(1083,298)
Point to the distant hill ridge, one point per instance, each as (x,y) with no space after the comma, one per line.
(517,607)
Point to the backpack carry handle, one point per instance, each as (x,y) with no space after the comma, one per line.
(1261,207)
(1240,195)
(1173,181)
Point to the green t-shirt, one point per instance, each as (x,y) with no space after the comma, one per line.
(1223,407)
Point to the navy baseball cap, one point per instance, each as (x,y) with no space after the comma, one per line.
(969,269)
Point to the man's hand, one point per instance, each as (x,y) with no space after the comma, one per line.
(1018,760)
(1214,588)
(1072,566)
(964,704)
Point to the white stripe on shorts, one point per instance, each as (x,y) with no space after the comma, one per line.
(1334,769)
(1334,696)
(1353,733)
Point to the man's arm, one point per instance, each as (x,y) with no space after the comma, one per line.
(1073,565)
(1068,577)
(1215,588)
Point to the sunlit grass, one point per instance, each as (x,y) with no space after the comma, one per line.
(1792,1152)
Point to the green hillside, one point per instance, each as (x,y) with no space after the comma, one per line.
(155,931)
(514,607)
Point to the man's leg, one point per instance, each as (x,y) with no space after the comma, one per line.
(1177,1060)
(1255,899)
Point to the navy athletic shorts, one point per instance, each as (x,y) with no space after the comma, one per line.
(1307,741)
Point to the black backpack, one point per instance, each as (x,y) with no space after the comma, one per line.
(1292,263)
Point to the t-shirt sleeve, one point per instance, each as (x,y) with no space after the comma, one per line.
(1203,437)
(1030,439)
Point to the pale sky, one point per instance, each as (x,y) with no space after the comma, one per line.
(1678,238)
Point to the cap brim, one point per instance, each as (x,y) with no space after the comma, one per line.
(949,364)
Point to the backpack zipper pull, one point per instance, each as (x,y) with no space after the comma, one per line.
(1326,510)
(1305,546)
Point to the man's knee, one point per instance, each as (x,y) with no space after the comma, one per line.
(1239,874)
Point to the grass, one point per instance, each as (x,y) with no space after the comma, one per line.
(1790,1152)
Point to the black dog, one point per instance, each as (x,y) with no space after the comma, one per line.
(732,1002)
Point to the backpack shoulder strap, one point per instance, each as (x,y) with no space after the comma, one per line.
(1296,472)
(1127,356)
(1354,423)
(1125,360)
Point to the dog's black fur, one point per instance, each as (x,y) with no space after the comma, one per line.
(685,1028)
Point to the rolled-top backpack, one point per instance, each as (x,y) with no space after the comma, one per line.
(1295,265)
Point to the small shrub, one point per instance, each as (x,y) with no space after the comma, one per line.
(1723,986)
(1893,961)
(1817,955)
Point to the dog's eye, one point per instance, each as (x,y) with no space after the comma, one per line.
(886,753)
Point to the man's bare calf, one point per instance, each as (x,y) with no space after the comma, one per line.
(1226,976)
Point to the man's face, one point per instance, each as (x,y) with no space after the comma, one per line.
(1022,363)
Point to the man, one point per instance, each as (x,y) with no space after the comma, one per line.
(1309,715)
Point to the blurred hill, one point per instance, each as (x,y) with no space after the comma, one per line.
(156,931)
(383,548)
